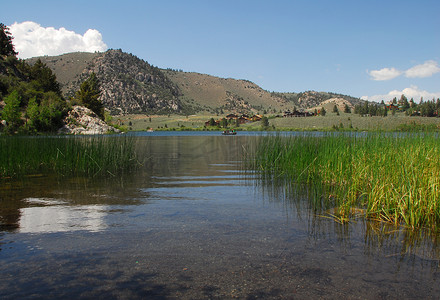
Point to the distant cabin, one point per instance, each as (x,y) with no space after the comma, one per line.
(232,116)
(256,118)
(391,106)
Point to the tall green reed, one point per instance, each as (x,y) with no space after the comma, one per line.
(391,177)
(90,155)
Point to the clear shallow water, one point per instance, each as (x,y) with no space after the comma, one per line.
(191,224)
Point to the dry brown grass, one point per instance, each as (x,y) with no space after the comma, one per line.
(67,67)
(212,91)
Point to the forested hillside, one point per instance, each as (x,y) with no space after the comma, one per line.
(31,99)
(30,96)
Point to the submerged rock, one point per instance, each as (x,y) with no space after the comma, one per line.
(81,120)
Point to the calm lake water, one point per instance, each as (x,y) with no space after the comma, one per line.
(193,224)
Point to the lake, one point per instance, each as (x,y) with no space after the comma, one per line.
(192,223)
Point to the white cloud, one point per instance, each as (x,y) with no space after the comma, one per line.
(427,69)
(384,74)
(411,92)
(31,39)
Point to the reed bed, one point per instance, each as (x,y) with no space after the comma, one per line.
(389,177)
(66,155)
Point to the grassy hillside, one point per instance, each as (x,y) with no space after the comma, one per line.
(331,120)
(328,122)
(197,93)
(312,99)
(67,67)
(226,94)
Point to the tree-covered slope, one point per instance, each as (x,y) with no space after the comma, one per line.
(30,96)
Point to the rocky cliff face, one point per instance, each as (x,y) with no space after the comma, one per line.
(130,85)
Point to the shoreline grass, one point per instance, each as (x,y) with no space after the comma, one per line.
(330,122)
(66,155)
(389,176)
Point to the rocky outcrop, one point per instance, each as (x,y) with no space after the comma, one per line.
(311,99)
(131,85)
(81,120)
(236,103)
(339,102)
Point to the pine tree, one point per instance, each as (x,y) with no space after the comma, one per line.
(89,93)
(43,79)
(211,122)
(264,122)
(224,123)
(6,46)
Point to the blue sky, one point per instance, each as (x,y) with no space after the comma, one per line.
(372,49)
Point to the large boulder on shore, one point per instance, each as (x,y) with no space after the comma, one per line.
(81,120)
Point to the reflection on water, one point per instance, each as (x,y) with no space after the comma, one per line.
(379,238)
(191,223)
(61,218)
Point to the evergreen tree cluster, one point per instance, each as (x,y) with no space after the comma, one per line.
(31,100)
(31,94)
(88,95)
(371,109)
(423,108)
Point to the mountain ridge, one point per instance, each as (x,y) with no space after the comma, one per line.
(131,85)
